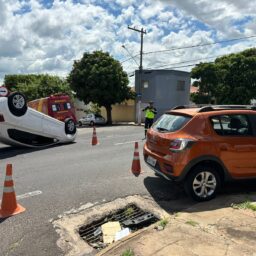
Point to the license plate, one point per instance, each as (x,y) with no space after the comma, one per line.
(151,161)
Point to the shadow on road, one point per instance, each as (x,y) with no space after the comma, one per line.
(12,151)
(172,198)
(3,219)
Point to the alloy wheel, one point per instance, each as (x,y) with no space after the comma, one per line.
(204,184)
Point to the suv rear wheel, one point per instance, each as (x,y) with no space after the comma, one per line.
(17,104)
(203,183)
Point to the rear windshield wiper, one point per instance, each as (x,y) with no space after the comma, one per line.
(162,129)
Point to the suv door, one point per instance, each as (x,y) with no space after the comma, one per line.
(236,144)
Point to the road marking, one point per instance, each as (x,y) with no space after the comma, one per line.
(29,194)
(127,142)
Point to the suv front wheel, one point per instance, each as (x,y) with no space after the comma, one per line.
(203,183)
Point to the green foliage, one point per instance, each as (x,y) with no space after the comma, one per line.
(245,205)
(163,222)
(99,78)
(231,79)
(192,223)
(95,108)
(37,86)
(128,252)
(200,98)
(129,211)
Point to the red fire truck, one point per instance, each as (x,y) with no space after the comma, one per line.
(58,106)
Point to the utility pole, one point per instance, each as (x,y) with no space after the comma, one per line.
(142,32)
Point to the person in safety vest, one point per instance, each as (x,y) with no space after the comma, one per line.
(150,112)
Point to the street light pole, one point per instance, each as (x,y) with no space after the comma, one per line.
(142,32)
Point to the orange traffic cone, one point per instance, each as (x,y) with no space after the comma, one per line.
(94,137)
(9,204)
(136,170)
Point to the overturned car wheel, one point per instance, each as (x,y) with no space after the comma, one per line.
(17,104)
(70,126)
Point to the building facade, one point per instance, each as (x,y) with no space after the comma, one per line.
(166,88)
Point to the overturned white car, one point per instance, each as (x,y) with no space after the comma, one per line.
(24,126)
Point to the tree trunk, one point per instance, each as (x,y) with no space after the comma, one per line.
(109,114)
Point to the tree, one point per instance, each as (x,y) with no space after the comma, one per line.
(37,86)
(231,79)
(100,79)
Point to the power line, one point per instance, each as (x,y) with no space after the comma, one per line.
(198,45)
(210,57)
(193,46)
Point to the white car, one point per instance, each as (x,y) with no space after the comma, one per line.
(91,119)
(24,126)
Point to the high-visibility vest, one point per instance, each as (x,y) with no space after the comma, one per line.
(149,114)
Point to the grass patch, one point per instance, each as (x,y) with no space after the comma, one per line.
(192,223)
(163,222)
(244,205)
(128,252)
(129,211)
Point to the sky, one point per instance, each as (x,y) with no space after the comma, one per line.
(46,36)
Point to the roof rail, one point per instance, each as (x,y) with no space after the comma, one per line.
(178,107)
(208,108)
(205,109)
(226,107)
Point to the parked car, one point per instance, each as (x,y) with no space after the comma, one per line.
(92,119)
(203,147)
(24,126)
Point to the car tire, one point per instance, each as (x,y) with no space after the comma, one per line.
(91,123)
(17,104)
(70,126)
(203,183)
(80,124)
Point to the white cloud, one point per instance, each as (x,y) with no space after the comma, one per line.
(38,39)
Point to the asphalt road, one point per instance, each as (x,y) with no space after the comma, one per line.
(72,175)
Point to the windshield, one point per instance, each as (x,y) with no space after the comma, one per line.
(171,123)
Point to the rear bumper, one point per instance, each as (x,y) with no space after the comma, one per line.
(158,172)
(163,167)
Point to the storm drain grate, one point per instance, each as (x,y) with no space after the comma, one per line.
(131,216)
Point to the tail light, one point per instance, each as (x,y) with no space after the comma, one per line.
(1,118)
(178,145)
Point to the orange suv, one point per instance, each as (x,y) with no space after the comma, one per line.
(203,147)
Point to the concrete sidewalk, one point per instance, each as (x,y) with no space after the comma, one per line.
(206,230)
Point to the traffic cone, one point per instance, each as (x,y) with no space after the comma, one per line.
(9,204)
(136,169)
(94,137)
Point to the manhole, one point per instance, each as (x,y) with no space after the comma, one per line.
(131,217)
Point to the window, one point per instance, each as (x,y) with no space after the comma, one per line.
(171,123)
(180,85)
(145,84)
(56,107)
(231,125)
(67,106)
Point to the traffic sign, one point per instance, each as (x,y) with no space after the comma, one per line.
(3,91)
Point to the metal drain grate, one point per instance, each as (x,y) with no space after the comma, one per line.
(131,216)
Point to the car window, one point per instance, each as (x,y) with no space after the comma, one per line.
(97,115)
(170,122)
(89,116)
(231,125)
